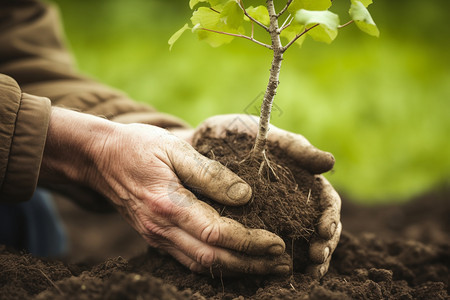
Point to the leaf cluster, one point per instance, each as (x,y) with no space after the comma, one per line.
(218,22)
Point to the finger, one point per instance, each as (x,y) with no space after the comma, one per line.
(319,270)
(330,203)
(205,224)
(208,177)
(207,256)
(300,149)
(320,249)
(238,263)
(186,260)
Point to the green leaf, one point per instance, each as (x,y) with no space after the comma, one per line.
(289,33)
(205,17)
(229,21)
(193,3)
(322,33)
(232,15)
(363,19)
(364,2)
(212,3)
(309,5)
(177,35)
(325,17)
(258,13)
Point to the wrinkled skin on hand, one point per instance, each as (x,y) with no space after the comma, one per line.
(144,170)
(309,158)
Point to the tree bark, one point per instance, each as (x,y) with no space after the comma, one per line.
(259,148)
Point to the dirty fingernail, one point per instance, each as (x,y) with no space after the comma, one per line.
(282,269)
(326,252)
(333,228)
(275,250)
(239,191)
(322,271)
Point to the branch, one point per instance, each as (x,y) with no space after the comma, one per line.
(241,5)
(346,24)
(284,26)
(239,36)
(298,36)
(284,8)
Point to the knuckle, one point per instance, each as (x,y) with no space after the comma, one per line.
(211,169)
(252,268)
(195,267)
(154,231)
(210,234)
(160,206)
(206,257)
(244,245)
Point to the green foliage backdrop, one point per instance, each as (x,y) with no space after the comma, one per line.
(381,106)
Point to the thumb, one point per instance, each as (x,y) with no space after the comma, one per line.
(300,149)
(208,177)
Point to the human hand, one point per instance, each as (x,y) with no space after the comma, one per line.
(308,157)
(142,169)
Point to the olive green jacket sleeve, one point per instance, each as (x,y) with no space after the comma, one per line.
(23,130)
(32,52)
(36,61)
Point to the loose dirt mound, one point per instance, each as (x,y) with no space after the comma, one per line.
(284,198)
(386,252)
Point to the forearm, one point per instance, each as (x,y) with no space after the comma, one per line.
(73,145)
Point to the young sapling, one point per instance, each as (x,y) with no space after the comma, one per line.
(286,201)
(218,22)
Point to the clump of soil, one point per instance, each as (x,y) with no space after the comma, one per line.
(385,252)
(284,199)
(390,251)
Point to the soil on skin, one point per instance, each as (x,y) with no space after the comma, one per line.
(284,198)
(397,251)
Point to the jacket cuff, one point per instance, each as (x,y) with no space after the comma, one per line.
(24,124)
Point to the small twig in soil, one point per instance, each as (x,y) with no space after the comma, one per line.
(51,281)
(292,287)
(309,196)
(223,209)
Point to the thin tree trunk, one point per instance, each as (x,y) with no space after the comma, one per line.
(271,90)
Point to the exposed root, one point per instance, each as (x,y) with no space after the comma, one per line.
(271,172)
(282,203)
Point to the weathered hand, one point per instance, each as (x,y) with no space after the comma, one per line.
(143,170)
(308,157)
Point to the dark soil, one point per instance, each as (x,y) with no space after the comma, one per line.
(284,199)
(397,251)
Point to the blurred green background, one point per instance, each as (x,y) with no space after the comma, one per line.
(381,106)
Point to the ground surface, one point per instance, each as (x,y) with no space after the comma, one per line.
(389,252)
